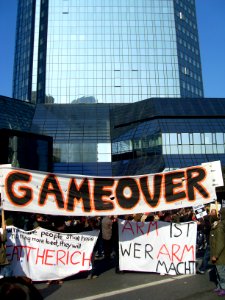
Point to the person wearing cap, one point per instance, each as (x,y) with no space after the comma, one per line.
(217,251)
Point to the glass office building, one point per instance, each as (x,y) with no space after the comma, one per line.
(113,87)
(81,136)
(148,136)
(19,146)
(164,134)
(104,51)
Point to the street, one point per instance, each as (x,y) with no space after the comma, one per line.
(132,285)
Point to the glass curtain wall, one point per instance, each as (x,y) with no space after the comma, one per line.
(106,51)
(81,137)
(24,50)
(111,51)
(188,49)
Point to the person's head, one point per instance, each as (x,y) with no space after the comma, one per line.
(213,212)
(39,218)
(128,217)
(150,217)
(59,223)
(137,217)
(18,288)
(13,291)
(92,222)
(167,217)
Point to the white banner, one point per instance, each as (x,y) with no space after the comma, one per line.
(39,192)
(42,254)
(161,247)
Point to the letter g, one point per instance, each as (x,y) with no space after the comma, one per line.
(25,194)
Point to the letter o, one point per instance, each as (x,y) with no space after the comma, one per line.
(124,201)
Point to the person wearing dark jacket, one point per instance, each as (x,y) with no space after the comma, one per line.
(206,227)
(217,251)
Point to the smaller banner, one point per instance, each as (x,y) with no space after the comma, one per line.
(42,254)
(160,247)
(200,211)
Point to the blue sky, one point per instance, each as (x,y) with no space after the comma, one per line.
(211,27)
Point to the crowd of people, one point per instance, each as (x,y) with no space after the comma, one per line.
(210,238)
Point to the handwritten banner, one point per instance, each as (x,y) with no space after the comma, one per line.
(42,254)
(39,192)
(160,247)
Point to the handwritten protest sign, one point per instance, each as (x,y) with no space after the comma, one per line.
(42,254)
(200,211)
(39,192)
(160,247)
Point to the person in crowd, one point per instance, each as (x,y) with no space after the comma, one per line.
(144,216)
(9,221)
(18,288)
(26,222)
(160,216)
(77,225)
(213,212)
(137,217)
(107,236)
(99,253)
(167,217)
(186,215)
(206,227)
(41,221)
(5,267)
(58,224)
(115,243)
(128,217)
(150,217)
(217,251)
(175,218)
(93,225)
(200,240)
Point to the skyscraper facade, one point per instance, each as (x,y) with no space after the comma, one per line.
(104,51)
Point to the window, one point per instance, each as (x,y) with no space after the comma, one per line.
(185,138)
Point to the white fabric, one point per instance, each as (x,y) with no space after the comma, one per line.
(42,254)
(161,247)
(39,192)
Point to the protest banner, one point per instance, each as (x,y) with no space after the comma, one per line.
(42,254)
(39,192)
(161,247)
(200,211)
